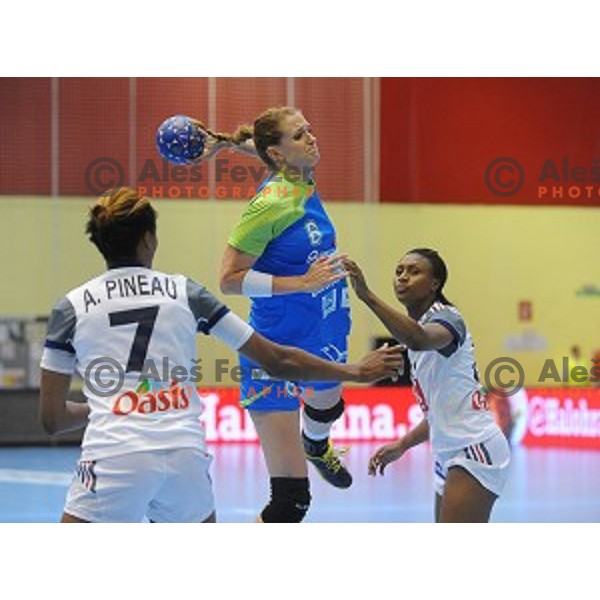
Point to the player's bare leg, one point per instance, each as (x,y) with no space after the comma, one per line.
(465,500)
(67,518)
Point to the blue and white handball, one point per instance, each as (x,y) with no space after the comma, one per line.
(179,140)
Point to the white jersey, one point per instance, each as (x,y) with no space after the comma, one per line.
(131,335)
(447,387)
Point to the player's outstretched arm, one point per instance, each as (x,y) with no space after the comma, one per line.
(285,362)
(406,330)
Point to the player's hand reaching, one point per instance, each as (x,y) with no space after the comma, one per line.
(384,456)
(212,147)
(357,278)
(213,143)
(322,272)
(381,363)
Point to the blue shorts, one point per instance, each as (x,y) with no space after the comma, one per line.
(259,392)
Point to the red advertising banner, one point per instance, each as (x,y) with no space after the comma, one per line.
(565,417)
(371,414)
(558,417)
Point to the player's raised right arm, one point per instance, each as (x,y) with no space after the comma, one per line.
(239,141)
(406,330)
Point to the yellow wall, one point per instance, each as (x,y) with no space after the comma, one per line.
(497,256)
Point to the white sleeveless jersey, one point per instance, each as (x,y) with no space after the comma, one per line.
(131,335)
(446,385)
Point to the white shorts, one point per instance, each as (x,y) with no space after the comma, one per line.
(487,461)
(166,486)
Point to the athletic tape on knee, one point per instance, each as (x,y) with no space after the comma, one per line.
(328,415)
(290,499)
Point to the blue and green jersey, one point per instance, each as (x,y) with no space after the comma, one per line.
(287,228)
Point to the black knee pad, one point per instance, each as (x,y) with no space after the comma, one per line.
(328,415)
(290,499)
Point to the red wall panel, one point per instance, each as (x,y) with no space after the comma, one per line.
(25,135)
(240,100)
(334,107)
(157,99)
(94,130)
(438,137)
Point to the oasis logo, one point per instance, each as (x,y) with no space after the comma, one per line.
(172,398)
(314,233)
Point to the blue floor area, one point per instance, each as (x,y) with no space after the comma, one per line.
(546,485)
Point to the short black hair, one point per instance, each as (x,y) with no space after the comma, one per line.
(438,268)
(118,221)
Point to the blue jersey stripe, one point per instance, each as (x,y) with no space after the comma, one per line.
(66,346)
